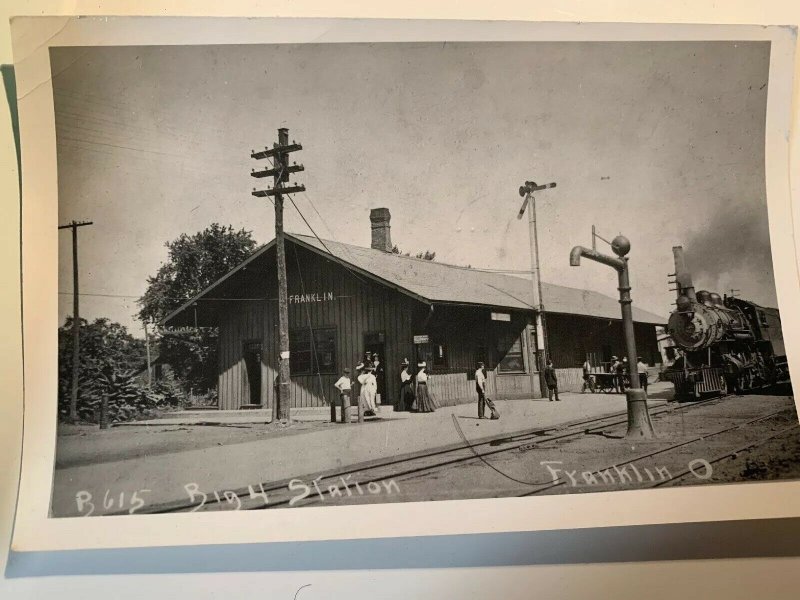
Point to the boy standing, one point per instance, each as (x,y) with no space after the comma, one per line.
(343,384)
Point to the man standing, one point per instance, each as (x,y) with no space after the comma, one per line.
(641,368)
(618,368)
(344,385)
(552,381)
(483,401)
(588,384)
(378,372)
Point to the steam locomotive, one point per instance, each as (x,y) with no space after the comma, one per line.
(725,344)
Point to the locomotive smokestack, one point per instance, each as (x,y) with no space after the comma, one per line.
(682,275)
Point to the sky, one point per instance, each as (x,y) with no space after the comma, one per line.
(662,142)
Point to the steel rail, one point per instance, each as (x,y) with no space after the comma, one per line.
(563,481)
(577,429)
(731,453)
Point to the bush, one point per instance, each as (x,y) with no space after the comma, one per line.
(110,360)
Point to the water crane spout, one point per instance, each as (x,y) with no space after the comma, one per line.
(575,256)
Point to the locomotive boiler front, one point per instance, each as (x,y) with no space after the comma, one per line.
(696,325)
(701,319)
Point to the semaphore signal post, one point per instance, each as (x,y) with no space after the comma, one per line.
(280,170)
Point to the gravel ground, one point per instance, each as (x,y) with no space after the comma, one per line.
(86,444)
(587,463)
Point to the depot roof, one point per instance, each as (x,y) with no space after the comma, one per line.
(436,282)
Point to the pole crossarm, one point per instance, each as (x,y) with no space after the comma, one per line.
(275,150)
(532,186)
(75,224)
(277,171)
(280,190)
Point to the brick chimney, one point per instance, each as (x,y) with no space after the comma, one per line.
(381,230)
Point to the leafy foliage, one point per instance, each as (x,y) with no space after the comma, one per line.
(192,356)
(193,263)
(110,360)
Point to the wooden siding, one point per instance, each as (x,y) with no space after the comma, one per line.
(572,337)
(361,306)
(569,380)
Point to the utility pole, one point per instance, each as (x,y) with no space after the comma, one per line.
(639,424)
(527,191)
(280,173)
(76,319)
(147,347)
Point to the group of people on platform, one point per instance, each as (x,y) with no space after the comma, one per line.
(622,374)
(414,393)
(415,396)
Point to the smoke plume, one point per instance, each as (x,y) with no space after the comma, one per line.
(732,250)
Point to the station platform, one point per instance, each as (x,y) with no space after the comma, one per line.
(316,449)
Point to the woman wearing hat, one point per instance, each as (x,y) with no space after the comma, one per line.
(369,387)
(425,401)
(406,402)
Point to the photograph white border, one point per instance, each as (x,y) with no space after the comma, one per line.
(32,38)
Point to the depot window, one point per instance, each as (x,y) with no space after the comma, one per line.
(510,351)
(439,356)
(312,351)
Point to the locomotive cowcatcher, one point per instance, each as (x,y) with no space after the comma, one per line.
(725,344)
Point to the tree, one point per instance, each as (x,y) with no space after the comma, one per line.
(427,255)
(193,263)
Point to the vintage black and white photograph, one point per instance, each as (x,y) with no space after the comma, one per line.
(296,275)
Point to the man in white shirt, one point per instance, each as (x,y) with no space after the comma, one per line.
(641,368)
(483,401)
(343,384)
(588,383)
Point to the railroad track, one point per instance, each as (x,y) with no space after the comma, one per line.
(353,479)
(658,483)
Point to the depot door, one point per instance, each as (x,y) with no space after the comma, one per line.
(375,343)
(252,379)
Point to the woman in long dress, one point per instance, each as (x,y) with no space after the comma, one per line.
(406,402)
(425,400)
(369,387)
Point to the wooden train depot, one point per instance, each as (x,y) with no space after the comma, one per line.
(345,300)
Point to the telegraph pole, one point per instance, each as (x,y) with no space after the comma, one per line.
(280,173)
(527,191)
(76,319)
